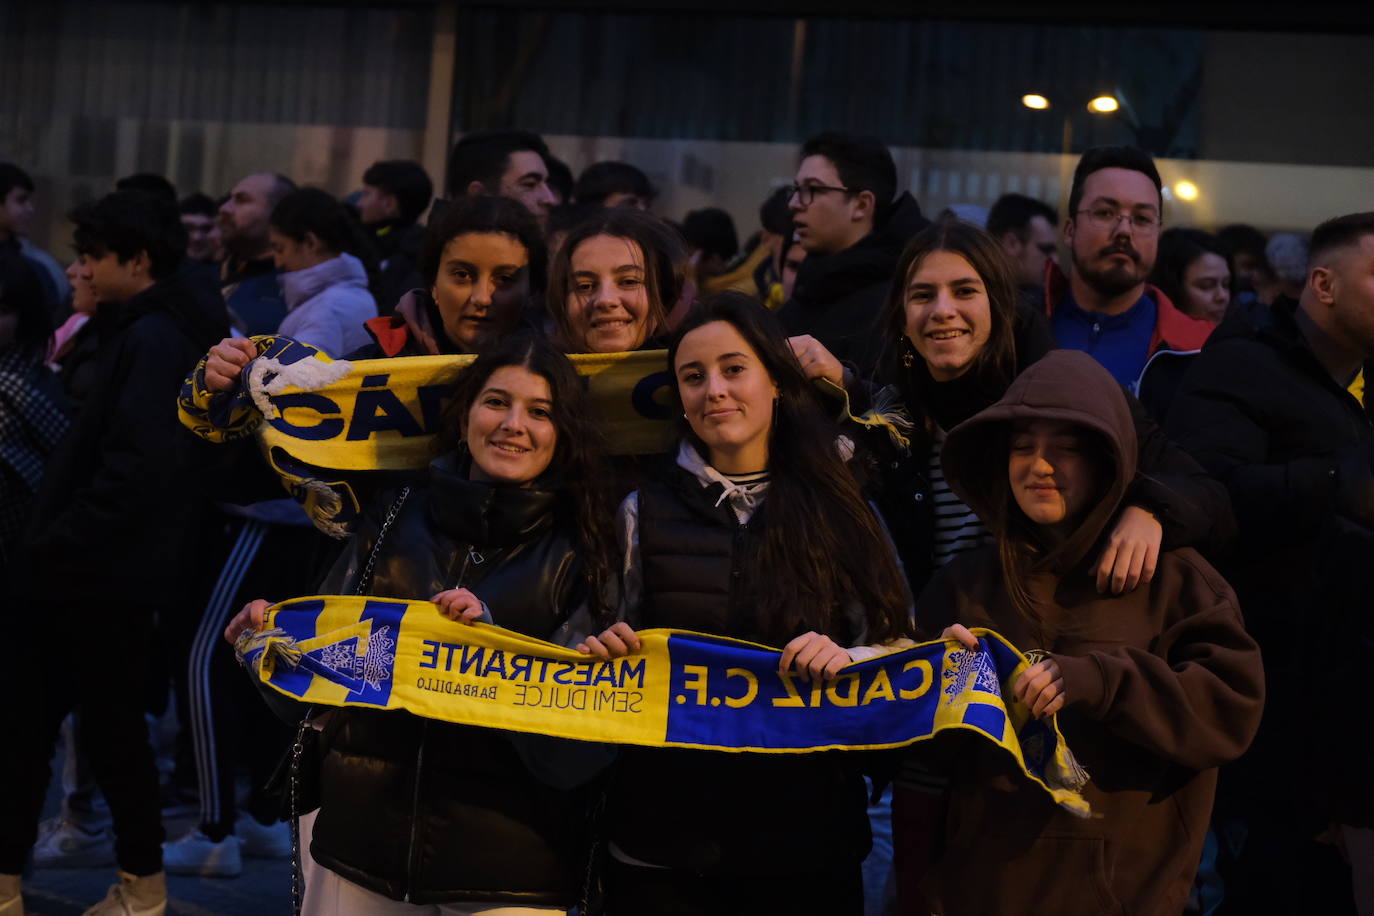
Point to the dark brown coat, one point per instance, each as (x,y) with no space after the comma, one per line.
(1162,685)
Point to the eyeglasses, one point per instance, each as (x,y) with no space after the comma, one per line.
(806,193)
(1107,217)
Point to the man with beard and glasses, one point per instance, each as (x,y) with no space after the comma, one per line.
(1104,306)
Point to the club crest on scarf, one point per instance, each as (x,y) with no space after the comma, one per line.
(683,690)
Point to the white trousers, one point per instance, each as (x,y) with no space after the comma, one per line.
(329,894)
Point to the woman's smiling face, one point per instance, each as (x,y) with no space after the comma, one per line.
(948,314)
(608,305)
(510,428)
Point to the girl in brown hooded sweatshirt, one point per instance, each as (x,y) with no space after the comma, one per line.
(1154,688)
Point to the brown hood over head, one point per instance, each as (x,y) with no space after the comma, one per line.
(1068,386)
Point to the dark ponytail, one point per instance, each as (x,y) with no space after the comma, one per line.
(310,210)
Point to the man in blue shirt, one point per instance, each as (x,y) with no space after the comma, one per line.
(1104,306)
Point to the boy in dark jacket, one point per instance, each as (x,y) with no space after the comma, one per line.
(109,546)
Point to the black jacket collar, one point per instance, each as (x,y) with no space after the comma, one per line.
(489,515)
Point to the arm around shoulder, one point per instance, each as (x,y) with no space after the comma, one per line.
(1195,695)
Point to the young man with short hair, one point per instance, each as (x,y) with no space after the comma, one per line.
(1267,409)
(395,195)
(110,547)
(16,222)
(198,218)
(1025,228)
(853,231)
(503,163)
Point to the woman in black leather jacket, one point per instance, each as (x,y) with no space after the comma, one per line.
(504,529)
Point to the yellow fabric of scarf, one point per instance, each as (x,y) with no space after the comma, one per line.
(321,422)
(682,689)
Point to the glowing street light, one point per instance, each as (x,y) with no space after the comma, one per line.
(1104,104)
(1186,190)
(1038,102)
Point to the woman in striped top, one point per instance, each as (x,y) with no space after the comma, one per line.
(957,334)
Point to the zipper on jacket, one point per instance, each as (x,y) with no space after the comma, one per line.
(473,558)
(415,810)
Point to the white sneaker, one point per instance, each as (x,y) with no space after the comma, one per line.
(63,844)
(197,854)
(11,900)
(134,896)
(263,841)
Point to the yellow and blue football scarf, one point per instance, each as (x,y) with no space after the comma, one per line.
(682,689)
(324,424)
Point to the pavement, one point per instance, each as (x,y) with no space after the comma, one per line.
(263,889)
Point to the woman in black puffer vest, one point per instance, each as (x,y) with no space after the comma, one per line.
(504,529)
(756,532)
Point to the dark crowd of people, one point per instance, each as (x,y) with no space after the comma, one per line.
(1140,452)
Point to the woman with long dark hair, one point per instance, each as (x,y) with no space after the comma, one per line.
(418,816)
(955,336)
(1154,689)
(1194,269)
(759,532)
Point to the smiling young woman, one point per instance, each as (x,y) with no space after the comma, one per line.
(613,282)
(758,532)
(508,525)
(957,335)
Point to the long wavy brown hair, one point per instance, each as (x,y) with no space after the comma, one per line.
(820,543)
(576,468)
(985,255)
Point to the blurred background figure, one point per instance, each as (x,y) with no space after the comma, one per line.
(17,213)
(202,231)
(614,184)
(1194,271)
(1286,253)
(711,239)
(1027,231)
(395,195)
(1250,268)
(503,163)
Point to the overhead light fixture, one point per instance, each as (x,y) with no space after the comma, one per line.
(1185,190)
(1037,102)
(1104,104)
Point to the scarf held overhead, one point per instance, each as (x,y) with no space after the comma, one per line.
(322,422)
(681,690)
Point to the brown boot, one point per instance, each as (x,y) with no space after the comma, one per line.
(11,901)
(134,896)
